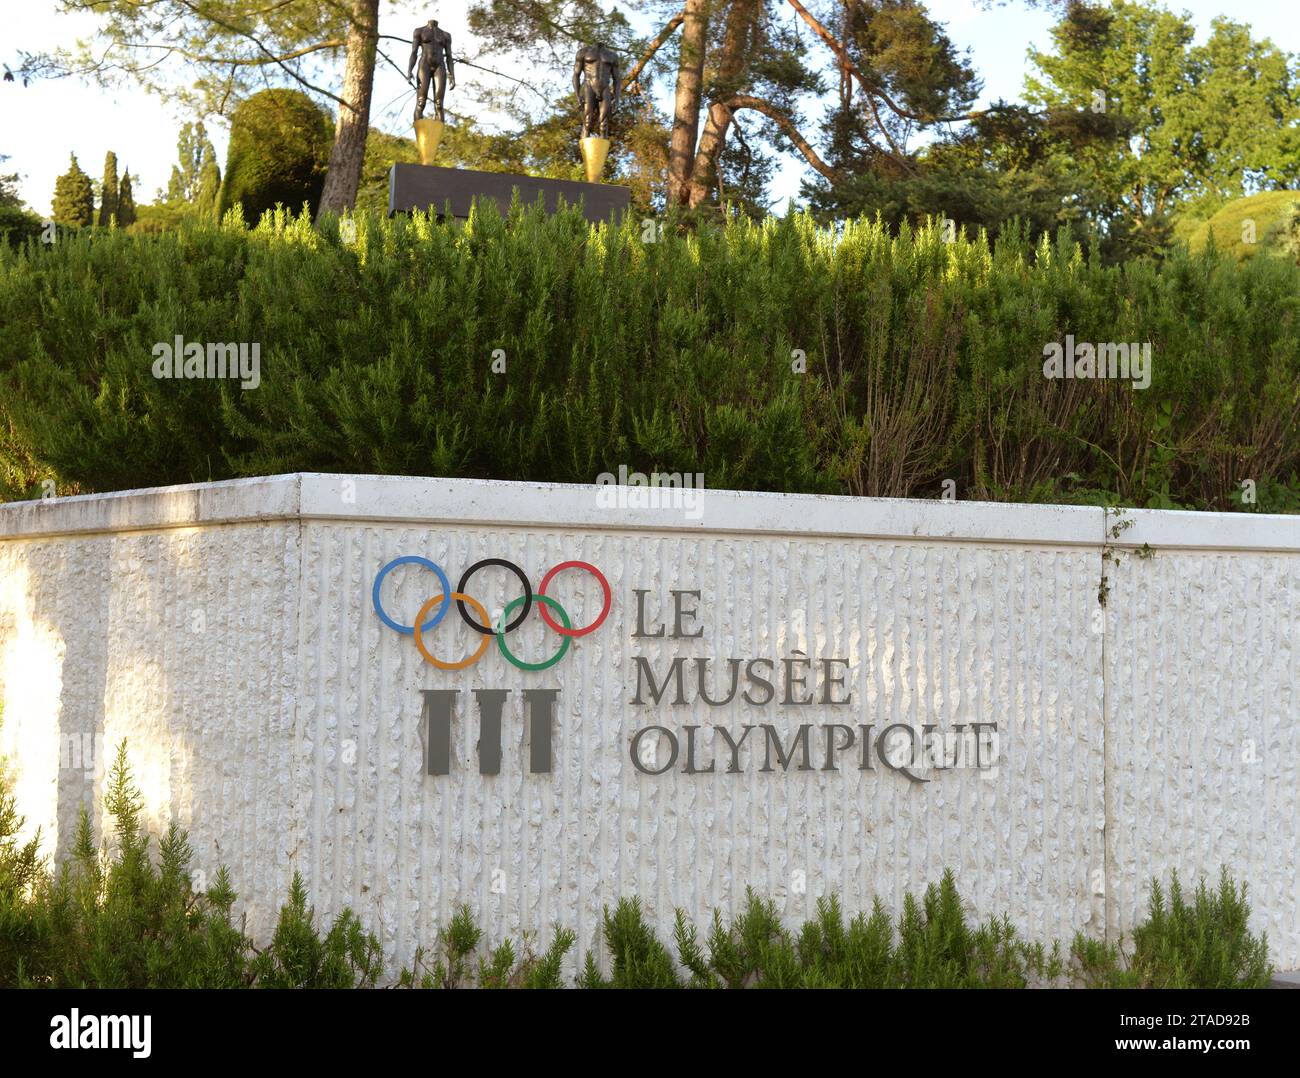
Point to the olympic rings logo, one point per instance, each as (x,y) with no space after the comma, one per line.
(482,624)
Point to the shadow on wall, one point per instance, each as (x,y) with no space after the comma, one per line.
(67,698)
(32,660)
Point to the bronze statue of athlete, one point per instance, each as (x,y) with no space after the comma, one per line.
(595,81)
(433,48)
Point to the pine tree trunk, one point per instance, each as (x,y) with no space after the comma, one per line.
(735,56)
(686,105)
(349,152)
(704,175)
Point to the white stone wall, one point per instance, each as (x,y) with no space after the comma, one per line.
(226,630)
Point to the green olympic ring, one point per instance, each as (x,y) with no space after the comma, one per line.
(501,637)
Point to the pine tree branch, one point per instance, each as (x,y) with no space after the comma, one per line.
(869,86)
(872,88)
(43,65)
(759,104)
(629,83)
(271,58)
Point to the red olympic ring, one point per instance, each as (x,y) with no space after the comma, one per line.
(604,612)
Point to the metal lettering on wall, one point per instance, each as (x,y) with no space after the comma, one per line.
(793,681)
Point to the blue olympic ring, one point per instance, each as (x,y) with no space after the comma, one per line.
(411,559)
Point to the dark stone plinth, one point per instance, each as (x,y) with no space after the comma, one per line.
(427,187)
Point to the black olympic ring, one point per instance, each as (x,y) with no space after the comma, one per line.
(528,595)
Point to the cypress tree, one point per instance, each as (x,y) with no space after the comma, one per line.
(125,202)
(74,198)
(109,191)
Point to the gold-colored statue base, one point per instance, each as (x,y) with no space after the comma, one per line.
(428,134)
(594,152)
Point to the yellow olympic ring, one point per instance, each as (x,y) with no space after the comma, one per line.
(419,640)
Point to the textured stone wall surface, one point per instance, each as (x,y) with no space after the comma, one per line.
(227,632)
(1203,730)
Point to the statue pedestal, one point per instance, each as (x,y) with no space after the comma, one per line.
(594,152)
(451,192)
(428,134)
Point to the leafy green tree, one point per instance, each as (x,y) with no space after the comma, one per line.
(192,149)
(16,221)
(1207,122)
(195,182)
(1008,164)
(108,191)
(279,146)
(74,198)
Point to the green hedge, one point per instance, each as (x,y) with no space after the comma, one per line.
(924,359)
(132,920)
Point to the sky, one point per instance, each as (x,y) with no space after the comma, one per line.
(41,124)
